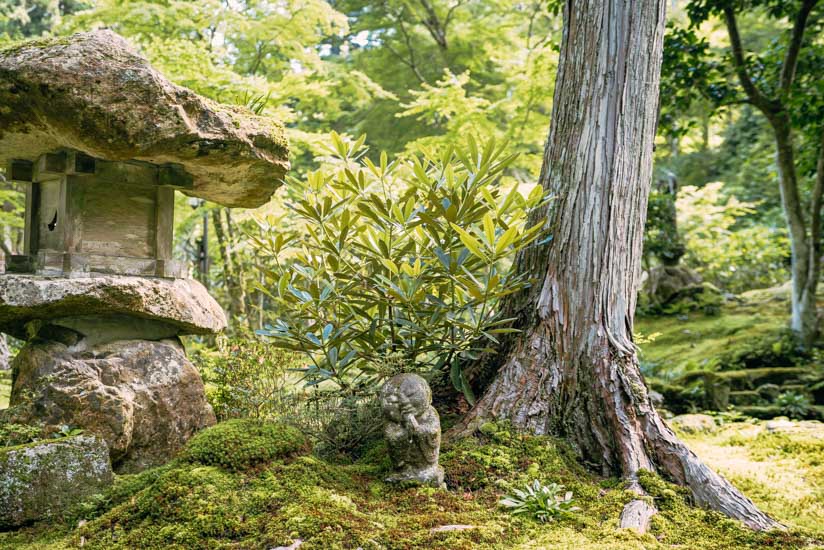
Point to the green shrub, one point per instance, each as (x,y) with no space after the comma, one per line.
(342,426)
(661,238)
(247,377)
(793,404)
(727,253)
(243,443)
(542,502)
(405,258)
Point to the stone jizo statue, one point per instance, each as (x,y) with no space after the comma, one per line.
(412,429)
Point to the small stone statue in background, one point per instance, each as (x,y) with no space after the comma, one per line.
(412,429)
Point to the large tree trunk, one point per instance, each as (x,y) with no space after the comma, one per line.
(573,371)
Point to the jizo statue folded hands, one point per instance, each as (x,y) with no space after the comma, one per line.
(412,429)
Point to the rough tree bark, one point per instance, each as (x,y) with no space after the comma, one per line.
(573,370)
(804,243)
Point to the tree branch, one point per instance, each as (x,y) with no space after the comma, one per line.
(259,49)
(433,24)
(407,62)
(450,13)
(756,97)
(791,59)
(413,64)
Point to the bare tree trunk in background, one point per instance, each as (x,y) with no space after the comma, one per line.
(238,269)
(804,315)
(573,370)
(237,305)
(804,242)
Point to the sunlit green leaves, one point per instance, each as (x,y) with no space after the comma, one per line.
(397,258)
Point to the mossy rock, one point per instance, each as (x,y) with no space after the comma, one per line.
(677,398)
(44,479)
(746,397)
(244,443)
(693,423)
(747,379)
(767,412)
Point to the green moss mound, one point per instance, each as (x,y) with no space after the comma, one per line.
(244,443)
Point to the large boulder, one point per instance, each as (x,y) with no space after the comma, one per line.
(664,282)
(693,423)
(144,398)
(43,479)
(93,92)
(675,289)
(174,306)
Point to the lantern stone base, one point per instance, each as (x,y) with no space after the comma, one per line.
(103,355)
(144,398)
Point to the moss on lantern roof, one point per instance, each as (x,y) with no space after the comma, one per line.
(92,92)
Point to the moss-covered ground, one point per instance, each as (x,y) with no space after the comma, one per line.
(750,332)
(296,496)
(227,492)
(782,471)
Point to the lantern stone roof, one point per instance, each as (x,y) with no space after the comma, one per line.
(91,92)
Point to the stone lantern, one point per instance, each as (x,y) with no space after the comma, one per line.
(101,142)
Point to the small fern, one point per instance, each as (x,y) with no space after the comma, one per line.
(542,502)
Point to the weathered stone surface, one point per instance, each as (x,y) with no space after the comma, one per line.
(182,303)
(782,424)
(663,283)
(43,479)
(693,423)
(412,429)
(637,514)
(93,93)
(145,399)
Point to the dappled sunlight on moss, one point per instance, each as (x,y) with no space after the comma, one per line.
(783,473)
(190,505)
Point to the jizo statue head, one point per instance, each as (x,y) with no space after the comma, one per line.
(404,395)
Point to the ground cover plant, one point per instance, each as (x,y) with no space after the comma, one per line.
(191,503)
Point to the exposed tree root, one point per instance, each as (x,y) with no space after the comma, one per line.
(600,405)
